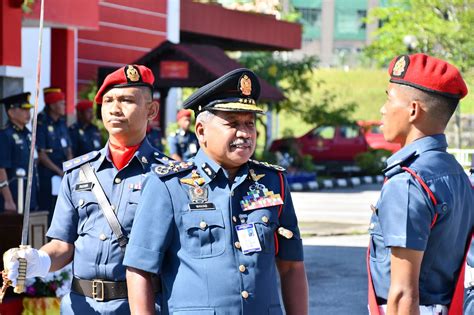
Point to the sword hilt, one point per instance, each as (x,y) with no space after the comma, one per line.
(20,281)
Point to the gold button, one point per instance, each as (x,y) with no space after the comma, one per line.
(234,218)
(265,219)
(244,294)
(118,180)
(203,225)
(102,237)
(237,244)
(242,268)
(81,202)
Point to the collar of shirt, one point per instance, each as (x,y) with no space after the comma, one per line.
(209,169)
(144,155)
(417,147)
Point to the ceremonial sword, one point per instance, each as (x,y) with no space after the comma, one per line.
(20,286)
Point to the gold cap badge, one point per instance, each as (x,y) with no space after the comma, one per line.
(400,66)
(132,74)
(245,85)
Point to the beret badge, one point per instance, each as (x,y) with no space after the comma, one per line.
(132,74)
(245,85)
(401,66)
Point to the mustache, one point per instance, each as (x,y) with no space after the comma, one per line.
(242,141)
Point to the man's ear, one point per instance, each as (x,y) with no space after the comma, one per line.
(153,109)
(416,111)
(200,131)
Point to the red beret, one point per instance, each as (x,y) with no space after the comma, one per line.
(183,113)
(130,75)
(52,95)
(428,74)
(83,105)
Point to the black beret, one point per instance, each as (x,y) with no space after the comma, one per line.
(21,100)
(235,91)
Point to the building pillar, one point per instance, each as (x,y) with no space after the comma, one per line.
(327,32)
(371,4)
(63,65)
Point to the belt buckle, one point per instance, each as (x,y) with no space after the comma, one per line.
(95,285)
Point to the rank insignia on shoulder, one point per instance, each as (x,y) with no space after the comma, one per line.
(172,168)
(268,165)
(71,164)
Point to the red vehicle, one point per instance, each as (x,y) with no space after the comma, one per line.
(328,143)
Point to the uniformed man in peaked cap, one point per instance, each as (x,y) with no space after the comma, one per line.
(422,223)
(15,140)
(85,136)
(224,225)
(96,205)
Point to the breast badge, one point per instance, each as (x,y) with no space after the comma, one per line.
(198,192)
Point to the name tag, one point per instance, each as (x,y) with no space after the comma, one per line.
(248,238)
(202,206)
(84,186)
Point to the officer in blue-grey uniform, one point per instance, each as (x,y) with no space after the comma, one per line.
(154,134)
(183,143)
(469,274)
(15,152)
(422,222)
(96,205)
(85,136)
(224,225)
(54,146)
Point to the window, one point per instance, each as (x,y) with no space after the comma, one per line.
(311,21)
(325,132)
(349,132)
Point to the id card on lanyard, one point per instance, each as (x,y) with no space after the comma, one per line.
(248,238)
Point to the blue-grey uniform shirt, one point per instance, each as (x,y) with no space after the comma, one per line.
(84,139)
(15,154)
(78,220)
(404,214)
(183,143)
(197,252)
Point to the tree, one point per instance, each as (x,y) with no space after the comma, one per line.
(295,79)
(441,28)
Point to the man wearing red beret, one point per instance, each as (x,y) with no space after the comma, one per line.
(85,136)
(422,223)
(54,146)
(97,201)
(183,143)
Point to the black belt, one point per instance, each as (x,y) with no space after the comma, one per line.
(103,290)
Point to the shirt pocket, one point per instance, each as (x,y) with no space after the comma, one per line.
(378,250)
(266,223)
(87,209)
(204,233)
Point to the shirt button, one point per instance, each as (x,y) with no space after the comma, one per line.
(232,193)
(81,202)
(203,225)
(234,218)
(113,207)
(244,294)
(242,268)
(265,219)
(102,237)
(118,180)
(371,226)
(237,244)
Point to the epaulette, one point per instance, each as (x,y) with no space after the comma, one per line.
(396,166)
(78,161)
(163,159)
(268,165)
(173,168)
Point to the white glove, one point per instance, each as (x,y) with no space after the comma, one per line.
(38,263)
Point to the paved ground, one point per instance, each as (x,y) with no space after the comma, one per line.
(334,227)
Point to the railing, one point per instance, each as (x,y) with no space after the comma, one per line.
(463,156)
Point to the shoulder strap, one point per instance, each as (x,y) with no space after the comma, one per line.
(105,205)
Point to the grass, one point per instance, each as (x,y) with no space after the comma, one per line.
(366,87)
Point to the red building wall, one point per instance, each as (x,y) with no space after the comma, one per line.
(128,29)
